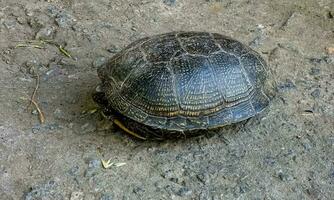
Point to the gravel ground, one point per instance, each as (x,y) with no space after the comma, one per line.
(284,153)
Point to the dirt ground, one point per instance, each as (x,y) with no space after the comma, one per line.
(284,153)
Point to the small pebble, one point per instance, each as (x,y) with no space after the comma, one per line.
(93,166)
(316,93)
(314,71)
(283,176)
(77,195)
(53,10)
(29,13)
(325,59)
(184,192)
(38,22)
(138,190)
(99,62)
(42,69)
(32,65)
(98,88)
(74,170)
(243,188)
(34,112)
(45,128)
(316,60)
(10,24)
(64,20)
(287,85)
(44,191)
(204,178)
(167,174)
(104,25)
(45,33)
(331,142)
(94,163)
(51,73)
(269,160)
(307,144)
(332,174)
(329,59)
(35,130)
(21,20)
(256,41)
(106,197)
(113,49)
(169,2)
(23,79)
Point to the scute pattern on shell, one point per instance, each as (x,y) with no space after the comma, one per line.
(187,80)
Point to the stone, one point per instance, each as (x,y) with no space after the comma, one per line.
(45,33)
(113,49)
(106,196)
(34,112)
(77,195)
(21,20)
(47,190)
(285,86)
(269,160)
(283,176)
(184,191)
(99,62)
(138,190)
(64,20)
(10,24)
(316,93)
(74,170)
(62,17)
(45,128)
(93,166)
(314,71)
(94,163)
(169,2)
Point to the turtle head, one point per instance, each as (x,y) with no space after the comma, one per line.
(99,97)
(101,100)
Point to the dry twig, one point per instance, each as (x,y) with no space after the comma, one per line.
(32,100)
(40,113)
(36,88)
(64,51)
(40,44)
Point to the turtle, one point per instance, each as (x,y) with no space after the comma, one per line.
(179,84)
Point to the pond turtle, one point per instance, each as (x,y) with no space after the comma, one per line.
(180,83)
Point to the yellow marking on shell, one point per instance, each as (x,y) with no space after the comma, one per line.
(120,125)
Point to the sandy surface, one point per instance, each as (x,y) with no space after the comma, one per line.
(285,153)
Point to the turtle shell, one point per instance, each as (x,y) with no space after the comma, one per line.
(183,81)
